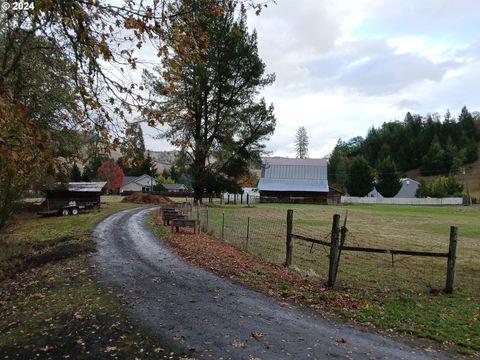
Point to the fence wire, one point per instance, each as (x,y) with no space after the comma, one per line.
(261,230)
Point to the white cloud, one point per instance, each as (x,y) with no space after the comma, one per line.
(343,66)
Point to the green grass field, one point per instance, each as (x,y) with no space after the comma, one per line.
(404,295)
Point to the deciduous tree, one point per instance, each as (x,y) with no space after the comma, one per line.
(110,172)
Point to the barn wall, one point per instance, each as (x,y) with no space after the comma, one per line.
(302,197)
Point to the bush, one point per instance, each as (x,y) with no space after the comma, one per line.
(440,187)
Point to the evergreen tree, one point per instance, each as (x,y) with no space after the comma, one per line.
(148,167)
(338,165)
(434,162)
(75,174)
(360,177)
(301,143)
(388,182)
(173,173)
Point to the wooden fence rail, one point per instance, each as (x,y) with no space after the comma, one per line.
(336,244)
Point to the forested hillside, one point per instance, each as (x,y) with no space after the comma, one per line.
(433,144)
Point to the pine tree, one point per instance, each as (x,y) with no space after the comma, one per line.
(301,143)
(360,177)
(75,174)
(388,182)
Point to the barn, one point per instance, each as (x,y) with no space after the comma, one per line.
(294,180)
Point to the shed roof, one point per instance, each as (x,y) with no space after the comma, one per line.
(87,186)
(92,187)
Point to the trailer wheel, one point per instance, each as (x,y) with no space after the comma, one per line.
(64,212)
(74,211)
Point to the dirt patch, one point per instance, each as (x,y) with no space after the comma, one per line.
(146,198)
(221,258)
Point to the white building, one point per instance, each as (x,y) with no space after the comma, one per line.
(143,183)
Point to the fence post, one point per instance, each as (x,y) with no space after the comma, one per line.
(223,225)
(343,237)
(234,199)
(206,220)
(452,255)
(221,199)
(241,199)
(289,253)
(198,218)
(247,199)
(248,232)
(334,249)
(228,199)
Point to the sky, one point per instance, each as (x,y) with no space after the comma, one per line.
(343,66)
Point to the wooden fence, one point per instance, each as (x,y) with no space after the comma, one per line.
(337,245)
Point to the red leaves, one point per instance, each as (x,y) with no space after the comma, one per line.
(110,172)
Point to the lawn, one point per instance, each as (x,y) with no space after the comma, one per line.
(50,303)
(404,294)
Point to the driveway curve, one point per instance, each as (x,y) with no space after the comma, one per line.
(205,316)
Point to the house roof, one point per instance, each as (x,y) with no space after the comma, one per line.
(174,186)
(129,179)
(286,174)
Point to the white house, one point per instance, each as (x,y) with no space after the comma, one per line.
(142,183)
(408,189)
(175,187)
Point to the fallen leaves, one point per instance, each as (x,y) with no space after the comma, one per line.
(239,344)
(257,335)
(223,259)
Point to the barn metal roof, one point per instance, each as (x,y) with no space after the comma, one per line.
(293,185)
(286,174)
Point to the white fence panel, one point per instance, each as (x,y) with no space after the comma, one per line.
(401,201)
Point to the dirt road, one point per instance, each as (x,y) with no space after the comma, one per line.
(205,316)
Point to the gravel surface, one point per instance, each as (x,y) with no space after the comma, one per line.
(205,316)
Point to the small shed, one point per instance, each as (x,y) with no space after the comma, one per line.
(83,193)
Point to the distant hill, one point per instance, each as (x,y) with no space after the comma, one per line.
(472,177)
(164,159)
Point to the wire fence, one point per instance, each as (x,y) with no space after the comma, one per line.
(261,230)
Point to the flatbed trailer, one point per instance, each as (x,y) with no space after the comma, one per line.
(70,209)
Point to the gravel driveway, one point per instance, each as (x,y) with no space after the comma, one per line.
(206,316)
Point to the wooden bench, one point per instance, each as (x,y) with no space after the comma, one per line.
(195,224)
(167,217)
